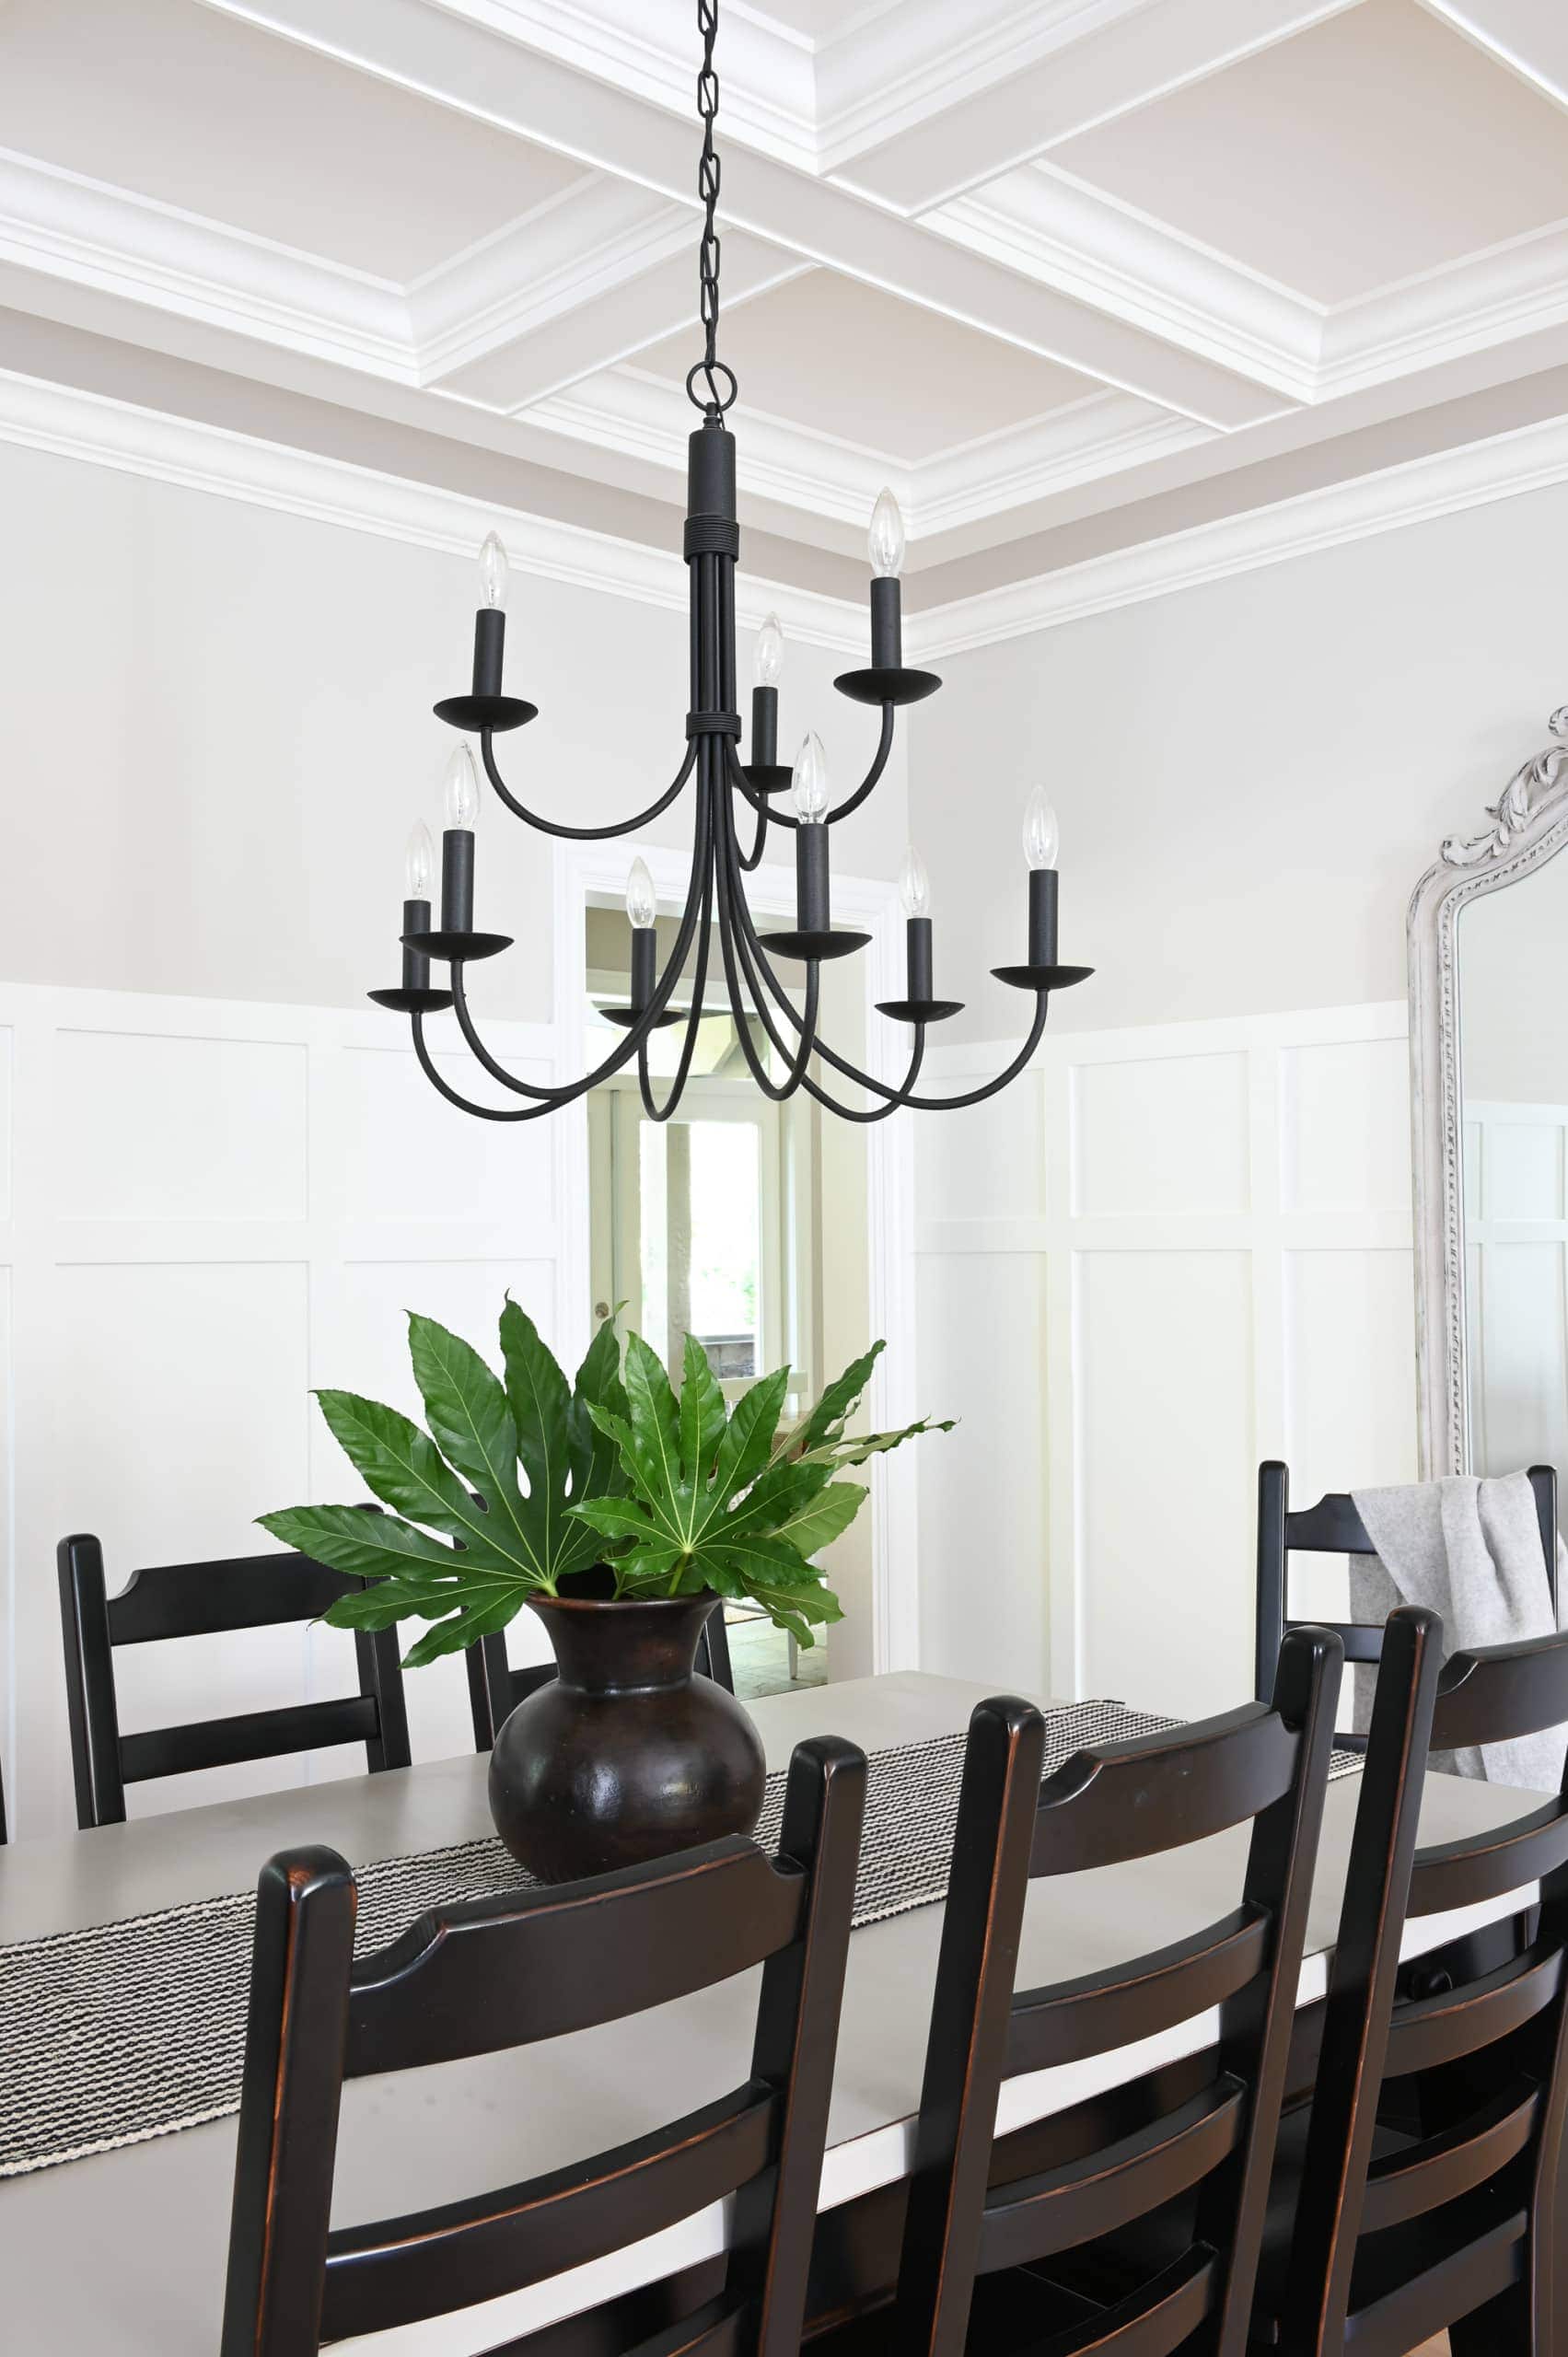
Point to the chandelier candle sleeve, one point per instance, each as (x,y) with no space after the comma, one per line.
(457,841)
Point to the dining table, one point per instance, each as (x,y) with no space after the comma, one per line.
(124,2250)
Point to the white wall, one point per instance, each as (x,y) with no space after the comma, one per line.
(211,1206)
(1175,1252)
(1250,775)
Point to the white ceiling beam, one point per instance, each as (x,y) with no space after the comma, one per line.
(592,241)
(1530,37)
(1134,56)
(581,339)
(1077,240)
(443,53)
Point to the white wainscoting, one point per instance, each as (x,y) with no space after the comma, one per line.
(1517,1283)
(206,1208)
(1180,1250)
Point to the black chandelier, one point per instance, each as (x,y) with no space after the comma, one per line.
(730,794)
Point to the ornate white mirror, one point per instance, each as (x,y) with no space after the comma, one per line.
(1488,1049)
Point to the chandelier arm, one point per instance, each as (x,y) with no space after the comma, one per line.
(867,785)
(466,1104)
(689,1045)
(725,862)
(582,834)
(899,1097)
(758,959)
(759,842)
(795,1061)
(633,1039)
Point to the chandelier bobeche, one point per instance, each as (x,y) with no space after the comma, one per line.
(729,796)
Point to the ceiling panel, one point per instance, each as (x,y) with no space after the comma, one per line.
(1378,144)
(831,353)
(181,103)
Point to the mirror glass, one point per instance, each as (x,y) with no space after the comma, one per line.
(1512,950)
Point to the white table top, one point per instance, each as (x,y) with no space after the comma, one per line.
(126,2251)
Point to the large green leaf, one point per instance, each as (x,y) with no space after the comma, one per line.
(539,1402)
(703,1414)
(371,1545)
(407,1472)
(838,1401)
(744,1449)
(824,1517)
(593,1461)
(470,1421)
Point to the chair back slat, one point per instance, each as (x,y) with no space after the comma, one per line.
(1500,1693)
(512,1970)
(1036,2217)
(253,1734)
(170,1600)
(1482,2155)
(538,1963)
(1489,1866)
(1107,2010)
(1427,2032)
(1109,1803)
(1333,1526)
(210,1599)
(382,2276)
(1415,2178)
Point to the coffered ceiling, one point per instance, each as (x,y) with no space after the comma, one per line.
(1030,261)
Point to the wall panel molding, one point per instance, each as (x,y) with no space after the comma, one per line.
(211,1206)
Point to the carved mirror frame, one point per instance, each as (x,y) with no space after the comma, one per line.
(1529,824)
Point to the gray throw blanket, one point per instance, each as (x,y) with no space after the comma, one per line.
(1470,1550)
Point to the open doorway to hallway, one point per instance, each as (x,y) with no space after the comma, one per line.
(709,1224)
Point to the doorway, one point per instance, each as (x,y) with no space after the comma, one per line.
(706,1224)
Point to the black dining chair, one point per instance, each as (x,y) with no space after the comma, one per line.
(1333,1526)
(205,1599)
(475,1977)
(496,1687)
(1420,2191)
(993,2228)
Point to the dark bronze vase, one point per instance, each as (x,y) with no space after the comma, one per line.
(627,1754)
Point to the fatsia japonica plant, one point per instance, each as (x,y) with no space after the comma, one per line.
(522,1481)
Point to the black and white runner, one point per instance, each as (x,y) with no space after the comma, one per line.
(128,2031)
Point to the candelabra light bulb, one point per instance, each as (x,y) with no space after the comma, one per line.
(915,885)
(887,536)
(494,568)
(768,660)
(419,868)
(810,784)
(1042,836)
(461,787)
(641,905)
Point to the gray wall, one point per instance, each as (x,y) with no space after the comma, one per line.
(1250,776)
(215,721)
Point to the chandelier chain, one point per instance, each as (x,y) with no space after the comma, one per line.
(709,175)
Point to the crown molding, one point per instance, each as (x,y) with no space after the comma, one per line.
(133,247)
(645,417)
(91,427)
(1531,459)
(1083,442)
(1072,236)
(1486,298)
(71,424)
